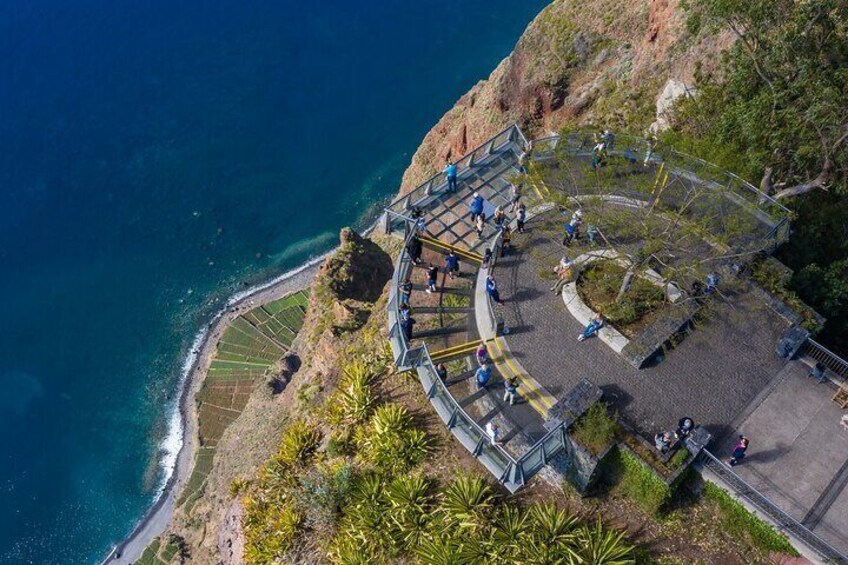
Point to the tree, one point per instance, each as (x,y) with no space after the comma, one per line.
(781,100)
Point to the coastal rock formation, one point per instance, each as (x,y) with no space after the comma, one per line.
(598,63)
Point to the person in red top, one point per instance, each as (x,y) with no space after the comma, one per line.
(739,451)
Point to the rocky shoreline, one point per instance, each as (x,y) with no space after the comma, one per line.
(158,517)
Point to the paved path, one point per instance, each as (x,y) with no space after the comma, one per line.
(799,453)
(711,376)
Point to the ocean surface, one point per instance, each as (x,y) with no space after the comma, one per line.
(156,157)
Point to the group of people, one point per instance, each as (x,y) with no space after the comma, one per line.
(452,269)
(665,441)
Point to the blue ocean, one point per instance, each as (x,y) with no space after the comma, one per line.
(155,158)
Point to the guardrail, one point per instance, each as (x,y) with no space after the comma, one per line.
(511,472)
(436,185)
(784,521)
(826,357)
(680,164)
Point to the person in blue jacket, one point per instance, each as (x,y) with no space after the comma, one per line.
(450,173)
(483,375)
(452,264)
(476,206)
(492,290)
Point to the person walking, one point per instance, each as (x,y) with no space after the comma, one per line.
(494,433)
(510,390)
(506,240)
(450,175)
(572,228)
(476,206)
(405,312)
(565,273)
(596,324)
(421,226)
(520,218)
(739,451)
(481,225)
(487,258)
(492,290)
(432,277)
(415,248)
(442,372)
(405,291)
(483,375)
(452,264)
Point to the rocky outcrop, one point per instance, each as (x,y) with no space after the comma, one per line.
(587,63)
(673,91)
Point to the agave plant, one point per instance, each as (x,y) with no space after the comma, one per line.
(440,550)
(552,527)
(597,545)
(354,400)
(299,441)
(408,498)
(509,531)
(467,502)
(388,442)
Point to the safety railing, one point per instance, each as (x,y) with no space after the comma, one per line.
(437,185)
(511,472)
(826,357)
(784,521)
(680,165)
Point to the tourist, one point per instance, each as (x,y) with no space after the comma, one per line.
(482,355)
(739,451)
(817,371)
(487,257)
(421,227)
(565,272)
(685,426)
(492,290)
(481,225)
(407,325)
(712,282)
(506,240)
(596,324)
(500,217)
(520,218)
(515,196)
(452,264)
(572,229)
(405,291)
(483,375)
(663,441)
(432,277)
(510,390)
(652,143)
(415,248)
(405,312)
(476,206)
(450,174)
(442,372)
(494,433)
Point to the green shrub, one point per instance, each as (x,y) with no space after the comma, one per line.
(600,546)
(299,441)
(389,442)
(238,486)
(679,458)
(596,429)
(322,492)
(269,530)
(740,523)
(354,400)
(639,483)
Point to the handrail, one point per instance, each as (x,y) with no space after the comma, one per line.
(783,520)
(822,354)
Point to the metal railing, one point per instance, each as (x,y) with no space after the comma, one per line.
(512,472)
(436,186)
(680,165)
(826,357)
(784,521)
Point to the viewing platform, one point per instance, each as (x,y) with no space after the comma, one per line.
(722,359)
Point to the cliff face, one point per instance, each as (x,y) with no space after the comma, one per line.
(579,63)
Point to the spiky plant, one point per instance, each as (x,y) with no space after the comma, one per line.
(389,442)
(354,399)
(440,550)
(553,534)
(509,531)
(597,545)
(408,500)
(298,442)
(467,503)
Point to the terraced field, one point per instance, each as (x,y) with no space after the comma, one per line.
(249,350)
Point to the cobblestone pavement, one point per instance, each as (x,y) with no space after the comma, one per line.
(711,376)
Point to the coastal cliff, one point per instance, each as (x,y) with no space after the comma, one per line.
(598,63)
